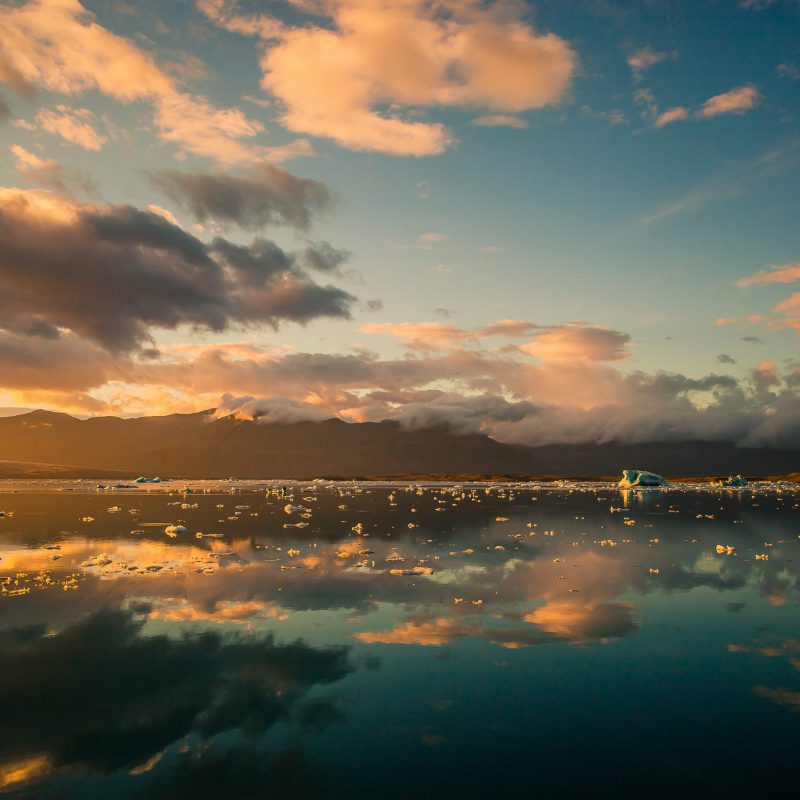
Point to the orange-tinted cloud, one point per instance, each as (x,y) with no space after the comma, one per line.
(567,342)
(785,273)
(59,46)
(74,125)
(407,54)
(735,101)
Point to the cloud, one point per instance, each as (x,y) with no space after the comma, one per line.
(271,196)
(48,173)
(278,410)
(724,358)
(579,341)
(113,273)
(5,110)
(788,310)
(671,115)
(756,5)
(735,101)
(550,343)
(58,46)
(332,79)
(644,58)
(561,384)
(500,121)
(785,273)
(74,125)
(732,181)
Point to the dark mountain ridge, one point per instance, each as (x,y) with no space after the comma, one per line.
(201,446)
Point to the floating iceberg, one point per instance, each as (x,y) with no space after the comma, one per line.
(143,479)
(638,477)
(733,481)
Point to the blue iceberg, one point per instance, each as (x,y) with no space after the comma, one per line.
(638,477)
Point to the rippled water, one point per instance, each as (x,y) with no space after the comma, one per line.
(435,642)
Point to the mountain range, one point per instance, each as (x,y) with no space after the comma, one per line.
(201,445)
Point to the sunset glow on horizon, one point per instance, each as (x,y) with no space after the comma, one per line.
(551,222)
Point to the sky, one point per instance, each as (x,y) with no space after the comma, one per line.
(557,221)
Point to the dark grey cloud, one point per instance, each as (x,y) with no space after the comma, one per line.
(112,273)
(274,196)
(323,257)
(5,109)
(724,358)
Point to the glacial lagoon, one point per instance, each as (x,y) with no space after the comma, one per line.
(363,640)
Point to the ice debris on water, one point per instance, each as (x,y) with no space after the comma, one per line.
(174,530)
(731,482)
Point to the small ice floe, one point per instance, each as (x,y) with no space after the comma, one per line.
(97,561)
(412,571)
(114,509)
(395,555)
(295,525)
(174,530)
(639,477)
(731,482)
(144,479)
(199,535)
(724,549)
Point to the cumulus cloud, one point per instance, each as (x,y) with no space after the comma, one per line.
(48,173)
(333,79)
(58,46)
(784,273)
(674,114)
(505,393)
(112,273)
(500,121)
(644,58)
(735,101)
(579,341)
(788,310)
(73,125)
(550,343)
(273,196)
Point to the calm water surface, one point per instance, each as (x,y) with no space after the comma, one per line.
(430,642)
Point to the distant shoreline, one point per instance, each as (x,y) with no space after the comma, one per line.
(34,471)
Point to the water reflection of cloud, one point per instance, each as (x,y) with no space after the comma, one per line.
(581,622)
(100,695)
